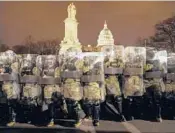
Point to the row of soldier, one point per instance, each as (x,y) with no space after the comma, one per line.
(76,84)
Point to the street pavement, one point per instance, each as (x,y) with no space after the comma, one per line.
(135,126)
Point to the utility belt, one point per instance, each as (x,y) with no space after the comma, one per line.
(9,77)
(83,78)
(154,74)
(92,78)
(133,71)
(71,74)
(29,79)
(170,76)
(49,81)
(113,70)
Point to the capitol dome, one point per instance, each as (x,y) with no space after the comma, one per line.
(105,37)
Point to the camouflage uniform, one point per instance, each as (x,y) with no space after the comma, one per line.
(153,82)
(3,98)
(113,69)
(31,92)
(10,86)
(50,81)
(133,81)
(168,107)
(71,72)
(94,88)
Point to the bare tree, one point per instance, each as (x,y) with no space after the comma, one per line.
(20,49)
(164,37)
(4,47)
(38,47)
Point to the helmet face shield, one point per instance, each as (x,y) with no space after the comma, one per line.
(10,56)
(156,59)
(135,55)
(28,61)
(50,61)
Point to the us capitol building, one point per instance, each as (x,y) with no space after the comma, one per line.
(71,40)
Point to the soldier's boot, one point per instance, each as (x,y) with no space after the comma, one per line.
(96,123)
(77,110)
(89,112)
(158,111)
(96,114)
(119,105)
(29,114)
(51,123)
(159,119)
(78,123)
(13,118)
(158,114)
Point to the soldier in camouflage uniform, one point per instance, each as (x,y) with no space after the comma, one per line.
(50,82)
(31,92)
(94,88)
(135,58)
(156,66)
(71,72)
(3,98)
(168,107)
(10,85)
(113,69)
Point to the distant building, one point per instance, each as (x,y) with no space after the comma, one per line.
(105,37)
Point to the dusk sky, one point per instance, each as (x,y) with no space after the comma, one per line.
(44,20)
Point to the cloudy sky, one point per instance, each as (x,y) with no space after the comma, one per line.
(44,20)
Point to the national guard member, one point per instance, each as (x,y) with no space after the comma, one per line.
(10,86)
(94,88)
(50,82)
(113,69)
(168,107)
(71,72)
(31,98)
(3,98)
(156,67)
(135,58)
